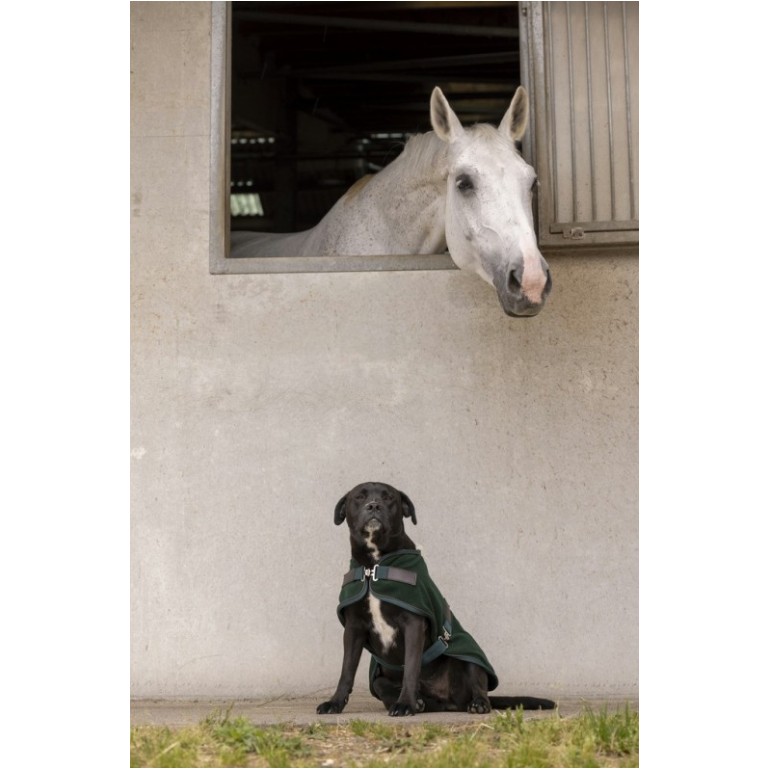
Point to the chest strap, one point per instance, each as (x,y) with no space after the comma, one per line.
(393,573)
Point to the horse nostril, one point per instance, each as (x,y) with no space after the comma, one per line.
(514,280)
(548,282)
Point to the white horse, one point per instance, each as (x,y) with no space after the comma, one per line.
(467,189)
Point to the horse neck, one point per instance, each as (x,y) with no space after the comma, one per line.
(411,195)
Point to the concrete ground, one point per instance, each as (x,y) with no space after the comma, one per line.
(301,710)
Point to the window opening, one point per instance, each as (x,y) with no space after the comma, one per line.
(325,93)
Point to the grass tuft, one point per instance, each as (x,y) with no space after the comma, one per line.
(592,739)
(273,745)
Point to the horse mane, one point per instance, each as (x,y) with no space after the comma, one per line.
(423,153)
(358,186)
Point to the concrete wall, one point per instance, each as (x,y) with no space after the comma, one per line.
(259,400)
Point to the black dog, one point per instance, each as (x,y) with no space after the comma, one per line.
(422,658)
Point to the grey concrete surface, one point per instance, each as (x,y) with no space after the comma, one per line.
(257,401)
(301,710)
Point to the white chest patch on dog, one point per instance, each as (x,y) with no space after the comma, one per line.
(372,548)
(385,631)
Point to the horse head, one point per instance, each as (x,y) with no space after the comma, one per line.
(489,220)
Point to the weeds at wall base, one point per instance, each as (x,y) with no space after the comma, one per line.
(509,738)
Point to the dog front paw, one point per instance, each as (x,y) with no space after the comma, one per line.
(406,709)
(479,705)
(330,707)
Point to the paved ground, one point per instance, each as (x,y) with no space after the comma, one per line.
(301,710)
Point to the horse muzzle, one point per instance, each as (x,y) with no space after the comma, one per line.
(523,295)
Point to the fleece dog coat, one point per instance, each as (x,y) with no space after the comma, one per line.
(401,578)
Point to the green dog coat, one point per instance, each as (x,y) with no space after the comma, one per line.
(401,578)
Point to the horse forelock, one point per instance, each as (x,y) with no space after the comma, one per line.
(490,137)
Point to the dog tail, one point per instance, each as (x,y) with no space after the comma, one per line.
(527,703)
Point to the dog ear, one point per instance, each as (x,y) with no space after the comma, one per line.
(339,511)
(408,508)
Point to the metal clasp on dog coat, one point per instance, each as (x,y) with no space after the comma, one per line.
(371,573)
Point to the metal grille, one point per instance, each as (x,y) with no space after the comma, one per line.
(583,71)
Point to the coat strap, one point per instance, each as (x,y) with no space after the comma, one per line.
(392,573)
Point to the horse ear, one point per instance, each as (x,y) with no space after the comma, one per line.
(339,512)
(445,123)
(517,116)
(408,508)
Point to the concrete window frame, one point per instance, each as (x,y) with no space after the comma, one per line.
(220,262)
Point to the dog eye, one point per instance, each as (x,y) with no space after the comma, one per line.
(465,183)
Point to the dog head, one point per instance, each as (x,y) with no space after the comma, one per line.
(375,512)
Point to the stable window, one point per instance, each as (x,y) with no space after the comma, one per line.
(307,98)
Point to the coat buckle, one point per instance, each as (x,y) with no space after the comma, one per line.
(371,573)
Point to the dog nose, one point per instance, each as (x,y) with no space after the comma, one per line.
(374,506)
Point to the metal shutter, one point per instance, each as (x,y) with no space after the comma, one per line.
(580,65)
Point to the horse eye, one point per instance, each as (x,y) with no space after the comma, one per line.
(534,184)
(465,183)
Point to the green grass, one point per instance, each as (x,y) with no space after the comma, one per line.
(592,739)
